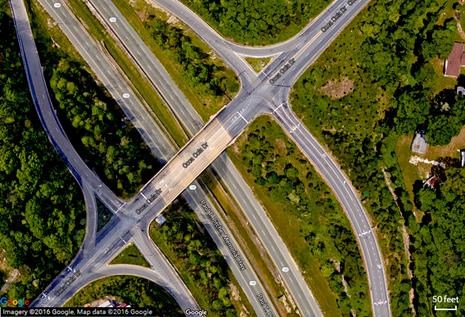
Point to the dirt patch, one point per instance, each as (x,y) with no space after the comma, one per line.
(235,149)
(336,89)
(281,145)
(172,20)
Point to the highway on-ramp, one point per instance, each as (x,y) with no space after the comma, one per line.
(154,139)
(220,131)
(257,218)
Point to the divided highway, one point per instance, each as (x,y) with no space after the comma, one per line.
(266,94)
(158,143)
(236,185)
(48,118)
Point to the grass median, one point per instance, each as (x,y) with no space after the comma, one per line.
(258,63)
(130,255)
(248,242)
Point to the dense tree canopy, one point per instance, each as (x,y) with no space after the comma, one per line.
(257,22)
(199,69)
(41,207)
(186,243)
(110,144)
(93,121)
(440,251)
(389,54)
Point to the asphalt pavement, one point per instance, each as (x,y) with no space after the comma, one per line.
(89,182)
(156,140)
(225,127)
(116,23)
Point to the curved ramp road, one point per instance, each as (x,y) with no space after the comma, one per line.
(267,92)
(230,176)
(46,112)
(340,184)
(85,177)
(159,145)
(149,130)
(221,44)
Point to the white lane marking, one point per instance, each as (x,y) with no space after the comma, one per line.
(57,5)
(126,95)
(122,205)
(364,233)
(277,108)
(300,52)
(192,187)
(295,128)
(243,117)
(143,195)
(112,19)
(252,283)
(285,269)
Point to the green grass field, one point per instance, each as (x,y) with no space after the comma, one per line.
(258,63)
(130,255)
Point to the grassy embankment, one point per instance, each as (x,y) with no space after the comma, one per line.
(258,63)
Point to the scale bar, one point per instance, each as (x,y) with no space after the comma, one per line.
(436,308)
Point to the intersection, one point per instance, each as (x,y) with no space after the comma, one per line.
(266,92)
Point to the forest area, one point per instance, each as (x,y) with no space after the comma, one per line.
(439,249)
(388,55)
(97,127)
(257,22)
(187,244)
(199,69)
(41,205)
(307,216)
(135,291)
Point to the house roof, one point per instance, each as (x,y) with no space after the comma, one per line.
(419,144)
(455,60)
(432,182)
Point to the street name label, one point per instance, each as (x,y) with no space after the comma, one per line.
(338,14)
(195,155)
(222,233)
(264,304)
(282,71)
(68,282)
